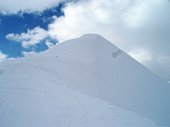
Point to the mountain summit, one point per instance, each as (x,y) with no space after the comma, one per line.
(83,82)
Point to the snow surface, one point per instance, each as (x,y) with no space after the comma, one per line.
(84,82)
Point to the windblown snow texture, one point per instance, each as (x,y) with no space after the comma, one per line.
(84,82)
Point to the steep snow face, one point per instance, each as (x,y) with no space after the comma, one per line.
(78,83)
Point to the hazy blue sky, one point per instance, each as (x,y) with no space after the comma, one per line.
(139,27)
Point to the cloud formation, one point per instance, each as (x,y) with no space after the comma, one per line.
(30,38)
(24,53)
(3,57)
(141,55)
(15,6)
(49,43)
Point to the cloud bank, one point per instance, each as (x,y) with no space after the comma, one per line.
(24,53)
(3,57)
(15,6)
(30,38)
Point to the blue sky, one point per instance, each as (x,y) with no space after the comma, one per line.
(139,27)
(21,22)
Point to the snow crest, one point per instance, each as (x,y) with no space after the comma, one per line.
(83,82)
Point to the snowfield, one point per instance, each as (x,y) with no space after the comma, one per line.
(84,82)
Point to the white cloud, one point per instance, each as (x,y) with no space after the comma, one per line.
(49,44)
(14,6)
(3,57)
(86,17)
(120,21)
(30,38)
(141,55)
(24,53)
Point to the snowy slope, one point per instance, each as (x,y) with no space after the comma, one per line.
(84,82)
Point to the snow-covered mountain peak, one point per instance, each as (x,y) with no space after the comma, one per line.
(87,47)
(83,82)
